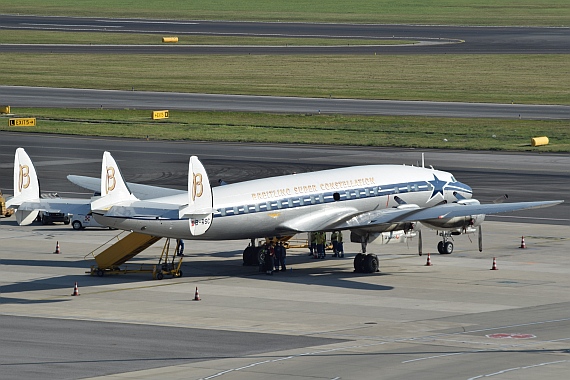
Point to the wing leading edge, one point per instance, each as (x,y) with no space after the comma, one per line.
(450,210)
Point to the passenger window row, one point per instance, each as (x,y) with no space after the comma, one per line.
(328,197)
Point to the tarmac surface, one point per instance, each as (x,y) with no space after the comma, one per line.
(49,97)
(436,39)
(456,319)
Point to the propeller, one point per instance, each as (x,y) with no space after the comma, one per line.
(420,242)
(501,199)
(480,238)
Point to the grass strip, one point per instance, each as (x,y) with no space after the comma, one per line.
(457,12)
(416,132)
(488,78)
(101,38)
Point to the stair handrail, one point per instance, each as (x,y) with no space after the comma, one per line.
(92,253)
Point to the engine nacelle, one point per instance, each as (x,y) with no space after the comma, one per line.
(391,237)
(458,225)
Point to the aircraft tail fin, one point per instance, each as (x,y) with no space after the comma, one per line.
(114,190)
(26,187)
(199,209)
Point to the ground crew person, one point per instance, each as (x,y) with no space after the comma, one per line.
(313,244)
(179,247)
(321,240)
(283,256)
(280,254)
(339,245)
(277,258)
(269,255)
(334,241)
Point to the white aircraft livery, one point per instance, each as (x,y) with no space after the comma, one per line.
(366,200)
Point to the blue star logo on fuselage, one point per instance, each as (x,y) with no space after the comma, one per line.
(437,187)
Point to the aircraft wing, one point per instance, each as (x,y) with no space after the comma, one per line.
(317,221)
(444,211)
(139,190)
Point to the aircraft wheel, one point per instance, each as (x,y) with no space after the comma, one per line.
(159,276)
(370,264)
(249,256)
(100,273)
(358,262)
(448,248)
(440,248)
(259,255)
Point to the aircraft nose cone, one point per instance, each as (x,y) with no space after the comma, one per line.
(466,189)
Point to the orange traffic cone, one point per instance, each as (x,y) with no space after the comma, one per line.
(428,263)
(75,290)
(196,295)
(57,247)
(523,245)
(494,267)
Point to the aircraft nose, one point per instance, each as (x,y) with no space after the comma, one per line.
(466,189)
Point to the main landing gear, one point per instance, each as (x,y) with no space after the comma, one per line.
(366,263)
(445,247)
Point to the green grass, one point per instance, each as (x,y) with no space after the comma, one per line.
(464,12)
(541,79)
(91,38)
(417,132)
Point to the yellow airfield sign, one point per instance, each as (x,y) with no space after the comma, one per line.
(22,122)
(160,114)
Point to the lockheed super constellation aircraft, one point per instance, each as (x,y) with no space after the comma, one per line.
(366,200)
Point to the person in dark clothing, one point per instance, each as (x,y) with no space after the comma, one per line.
(283,254)
(179,247)
(277,257)
(269,255)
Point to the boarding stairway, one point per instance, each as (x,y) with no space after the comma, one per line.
(111,258)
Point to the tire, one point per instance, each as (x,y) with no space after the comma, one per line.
(358,262)
(66,221)
(259,257)
(179,273)
(159,276)
(249,256)
(76,225)
(100,272)
(44,220)
(440,248)
(448,248)
(370,264)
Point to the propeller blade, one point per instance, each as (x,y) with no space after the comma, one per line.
(501,199)
(480,239)
(420,242)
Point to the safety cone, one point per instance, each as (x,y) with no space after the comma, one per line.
(494,267)
(196,295)
(57,247)
(428,263)
(75,290)
(523,245)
